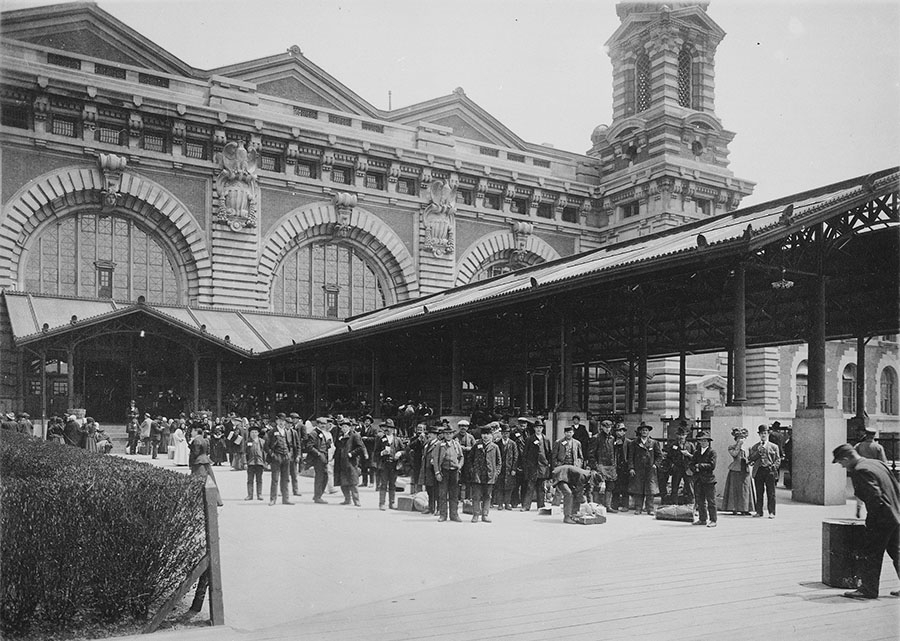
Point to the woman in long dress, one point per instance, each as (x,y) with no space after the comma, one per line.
(90,435)
(739,495)
(181,447)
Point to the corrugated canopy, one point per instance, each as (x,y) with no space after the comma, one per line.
(751,227)
(34,317)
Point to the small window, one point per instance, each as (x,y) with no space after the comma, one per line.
(802,380)
(59,388)
(269,162)
(63,127)
(545,210)
(195,149)
(492,201)
(630,210)
(339,120)
(109,135)
(306,113)
(63,61)
(340,175)
(108,70)
(519,206)
(375,181)
(570,214)
(642,69)
(704,207)
(104,282)
(34,388)
(331,301)
(306,169)
(153,81)
(406,186)
(465,196)
(848,387)
(888,391)
(12,116)
(685,69)
(154,142)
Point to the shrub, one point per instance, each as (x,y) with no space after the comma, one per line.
(87,538)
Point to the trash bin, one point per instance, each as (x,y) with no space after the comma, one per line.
(841,539)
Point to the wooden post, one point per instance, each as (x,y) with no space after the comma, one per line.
(216,604)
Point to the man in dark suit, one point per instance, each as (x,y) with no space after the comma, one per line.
(874,484)
(704,466)
(536,465)
(508,479)
(388,450)
(278,452)
(319,444)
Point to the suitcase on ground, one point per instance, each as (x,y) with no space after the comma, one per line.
(589,519)
(684,513)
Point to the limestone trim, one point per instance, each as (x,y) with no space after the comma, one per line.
(367,233)
(496,243)
(63,192)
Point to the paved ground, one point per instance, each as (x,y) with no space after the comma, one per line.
(336,572)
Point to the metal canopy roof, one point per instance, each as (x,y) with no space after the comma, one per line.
(35,318)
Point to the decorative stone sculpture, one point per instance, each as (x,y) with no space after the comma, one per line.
(236,187)
(520,231)
(111,166)
(439,216)
(343,205)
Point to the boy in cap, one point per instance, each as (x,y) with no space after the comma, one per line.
(874,483)
(703,464)
(427,472)
(766,456)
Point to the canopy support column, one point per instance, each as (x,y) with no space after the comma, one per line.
(218,387)
(456,377)
(196,383)
(70,377)
(738,354)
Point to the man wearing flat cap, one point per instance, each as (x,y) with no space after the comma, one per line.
(278,453)
(507,480)
(874,483)
(602,459)
(567,450)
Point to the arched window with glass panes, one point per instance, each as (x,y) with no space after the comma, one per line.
(97,255)
(848,389)
(690,85)
(326,280)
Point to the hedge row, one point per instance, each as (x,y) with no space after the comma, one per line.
(87,539)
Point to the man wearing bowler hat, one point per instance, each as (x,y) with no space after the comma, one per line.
(703,463)
(878,488)
(765,456)
(319,445)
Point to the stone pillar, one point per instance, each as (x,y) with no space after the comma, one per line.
(817,431)
(682,383)
(70,377)
(218,387)
(567,370)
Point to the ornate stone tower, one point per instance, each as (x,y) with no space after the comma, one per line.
(664,158)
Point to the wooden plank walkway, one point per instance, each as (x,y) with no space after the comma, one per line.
(333,572)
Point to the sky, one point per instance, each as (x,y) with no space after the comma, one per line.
(811,88)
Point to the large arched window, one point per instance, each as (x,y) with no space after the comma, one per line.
(802,382)
(642,82)
(504,262)
(326,280)
(848,389)
(888,391)
(96,255)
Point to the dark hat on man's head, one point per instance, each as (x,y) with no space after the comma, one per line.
(683,422)
(606,422)
(642,426)
(434,429)
(704,435)
(620,426)
(445,421)
(388,422)
(526,419)
(504,428)
(776,425)
(294,415)
(447,428)
(569,428)
(281,415)
(680,431)
(762,428)
(368,417)
(842,451)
